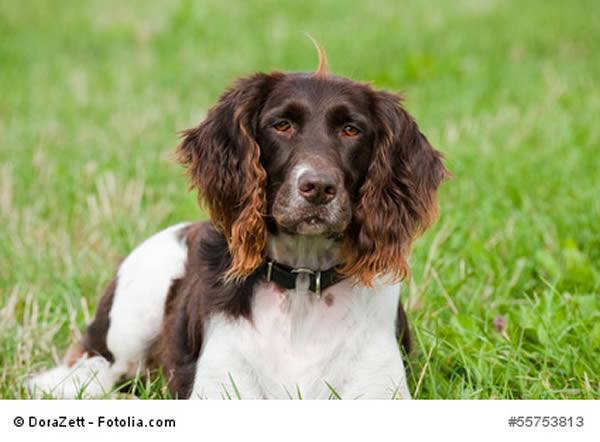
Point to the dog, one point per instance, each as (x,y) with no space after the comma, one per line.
(316,187)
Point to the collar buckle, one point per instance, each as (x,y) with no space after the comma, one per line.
(310,272)
(303,270)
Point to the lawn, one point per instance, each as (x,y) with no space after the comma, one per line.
(504,298)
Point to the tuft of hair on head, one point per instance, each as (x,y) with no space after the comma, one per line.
(321,71)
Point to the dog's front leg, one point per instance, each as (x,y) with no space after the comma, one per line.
(222,372)
(380,374)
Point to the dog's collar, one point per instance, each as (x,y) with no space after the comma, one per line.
(285,276)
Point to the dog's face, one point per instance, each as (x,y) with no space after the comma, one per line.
(314,154)
(316,140)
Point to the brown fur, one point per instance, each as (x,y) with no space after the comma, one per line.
(74,353)
(397,200)
(321,71)
(201,291)
(223,163)
(95,339)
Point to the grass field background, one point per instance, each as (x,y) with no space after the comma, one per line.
(92,94)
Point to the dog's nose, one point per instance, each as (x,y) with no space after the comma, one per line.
(317,188)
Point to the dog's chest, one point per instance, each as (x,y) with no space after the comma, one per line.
(298,344)
(295,336)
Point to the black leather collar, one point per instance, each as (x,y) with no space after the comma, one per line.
(285,276)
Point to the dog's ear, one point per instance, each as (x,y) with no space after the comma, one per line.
(223,164)
(397,201)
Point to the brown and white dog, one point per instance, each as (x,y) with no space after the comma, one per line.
(316,187)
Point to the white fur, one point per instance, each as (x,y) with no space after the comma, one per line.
(143,282)
(297,344)
(87,378)
(295,176)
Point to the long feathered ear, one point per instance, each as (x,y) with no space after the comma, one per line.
(397,201)
(223,164)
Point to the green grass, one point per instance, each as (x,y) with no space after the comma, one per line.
(92,94)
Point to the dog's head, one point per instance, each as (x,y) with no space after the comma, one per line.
(314,154)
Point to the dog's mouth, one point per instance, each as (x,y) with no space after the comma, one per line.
(312,225)
(314,221)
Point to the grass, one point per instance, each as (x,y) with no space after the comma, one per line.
(92,94)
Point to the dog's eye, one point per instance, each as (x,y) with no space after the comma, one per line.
(350,130)
(282,126)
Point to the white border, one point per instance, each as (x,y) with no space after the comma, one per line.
(302,420)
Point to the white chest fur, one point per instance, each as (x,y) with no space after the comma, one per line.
(298,345)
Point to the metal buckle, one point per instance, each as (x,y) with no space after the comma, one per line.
(318,285)
(269,270)
(317,278)
(303,270)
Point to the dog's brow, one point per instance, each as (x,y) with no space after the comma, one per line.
(341,113)
(294,110)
